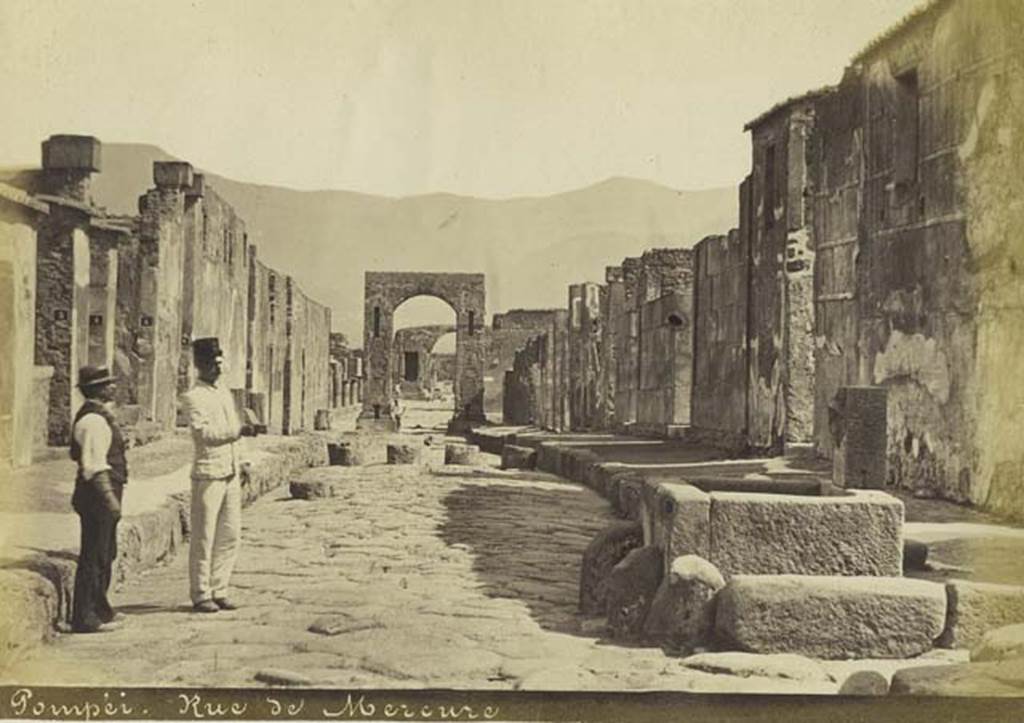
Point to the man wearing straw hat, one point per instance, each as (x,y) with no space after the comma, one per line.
(216,523)
(98,447)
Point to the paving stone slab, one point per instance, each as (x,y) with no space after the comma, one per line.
(830,617)
(746,665)
(995,679)
(856,534)
(977,607)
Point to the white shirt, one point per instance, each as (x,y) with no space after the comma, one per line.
(92,433)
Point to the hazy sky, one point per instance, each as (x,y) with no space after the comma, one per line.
(482,97)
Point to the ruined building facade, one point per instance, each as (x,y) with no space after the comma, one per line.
(130,293)
(877,248)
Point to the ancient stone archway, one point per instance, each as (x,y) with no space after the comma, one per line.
(415,344)
(384,292)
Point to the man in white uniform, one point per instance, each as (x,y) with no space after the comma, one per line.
(216,481)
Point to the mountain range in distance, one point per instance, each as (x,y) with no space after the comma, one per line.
(530,248)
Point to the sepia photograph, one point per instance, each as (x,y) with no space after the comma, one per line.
(588,360)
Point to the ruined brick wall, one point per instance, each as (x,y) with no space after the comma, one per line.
(18,224)
(780,394)
(627,379)
(666,370)
(215,291)
(162,271)
(307,365)
(938,253)
(584,370)
(268,343)
(509,333)
(719,400)
(612,311)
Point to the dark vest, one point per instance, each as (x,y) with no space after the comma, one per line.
(115,457)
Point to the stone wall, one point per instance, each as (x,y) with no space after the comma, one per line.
(420,341)
(19,218)
(268,343)
(585,371)
(666,362)
(307,367)
(918,277)
(719,402)
(509,333)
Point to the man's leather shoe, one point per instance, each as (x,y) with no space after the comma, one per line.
(224,604)
(206,606)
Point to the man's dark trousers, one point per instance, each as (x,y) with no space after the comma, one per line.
(95,560)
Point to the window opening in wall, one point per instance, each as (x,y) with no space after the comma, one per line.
(376,321)
(472,322)
(905,137)
(376,411)
(412,366)
(769,186)
(675,320)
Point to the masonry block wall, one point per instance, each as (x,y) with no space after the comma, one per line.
(922,284)
(509,332)
(20,217)
(585,371)
(719,401)
(268,342)
(626,318)
(307,366)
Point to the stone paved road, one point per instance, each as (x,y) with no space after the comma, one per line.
(432,576)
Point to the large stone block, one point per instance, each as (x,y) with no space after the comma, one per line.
(1005,643)
(72,153)
(855,534)
(514,457)
(857,418)
(406,454)
(466,454)
(681,521)
(1002,678)
(603,553)
(172,174)
(344,454)
(312,484)
(830,617)
(977,607)
(682,615)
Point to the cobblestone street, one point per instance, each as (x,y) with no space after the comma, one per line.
(432,576)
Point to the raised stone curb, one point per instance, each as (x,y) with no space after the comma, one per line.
(464,454)
(513,457)
(403,454)
(682,522)
(832,618)
(39,588)
(858,534)
(1003,643)
(977,607)
(1002,678)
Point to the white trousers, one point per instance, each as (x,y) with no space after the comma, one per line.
(216,533)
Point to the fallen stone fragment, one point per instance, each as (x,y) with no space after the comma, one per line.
(915,555)
(1002,643)
(630,589)
(682,615)
(747,665)
(281,677)
(339,624)
(403,454)
(513,457)
(828,617)
(1001,678)
(466,454)
(313,483)
(865,682)
(977,607)
(603,553)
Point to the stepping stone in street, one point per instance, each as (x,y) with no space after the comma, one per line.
(313,483)
(344,454)
(513,457)
(403,454)
(466,454)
